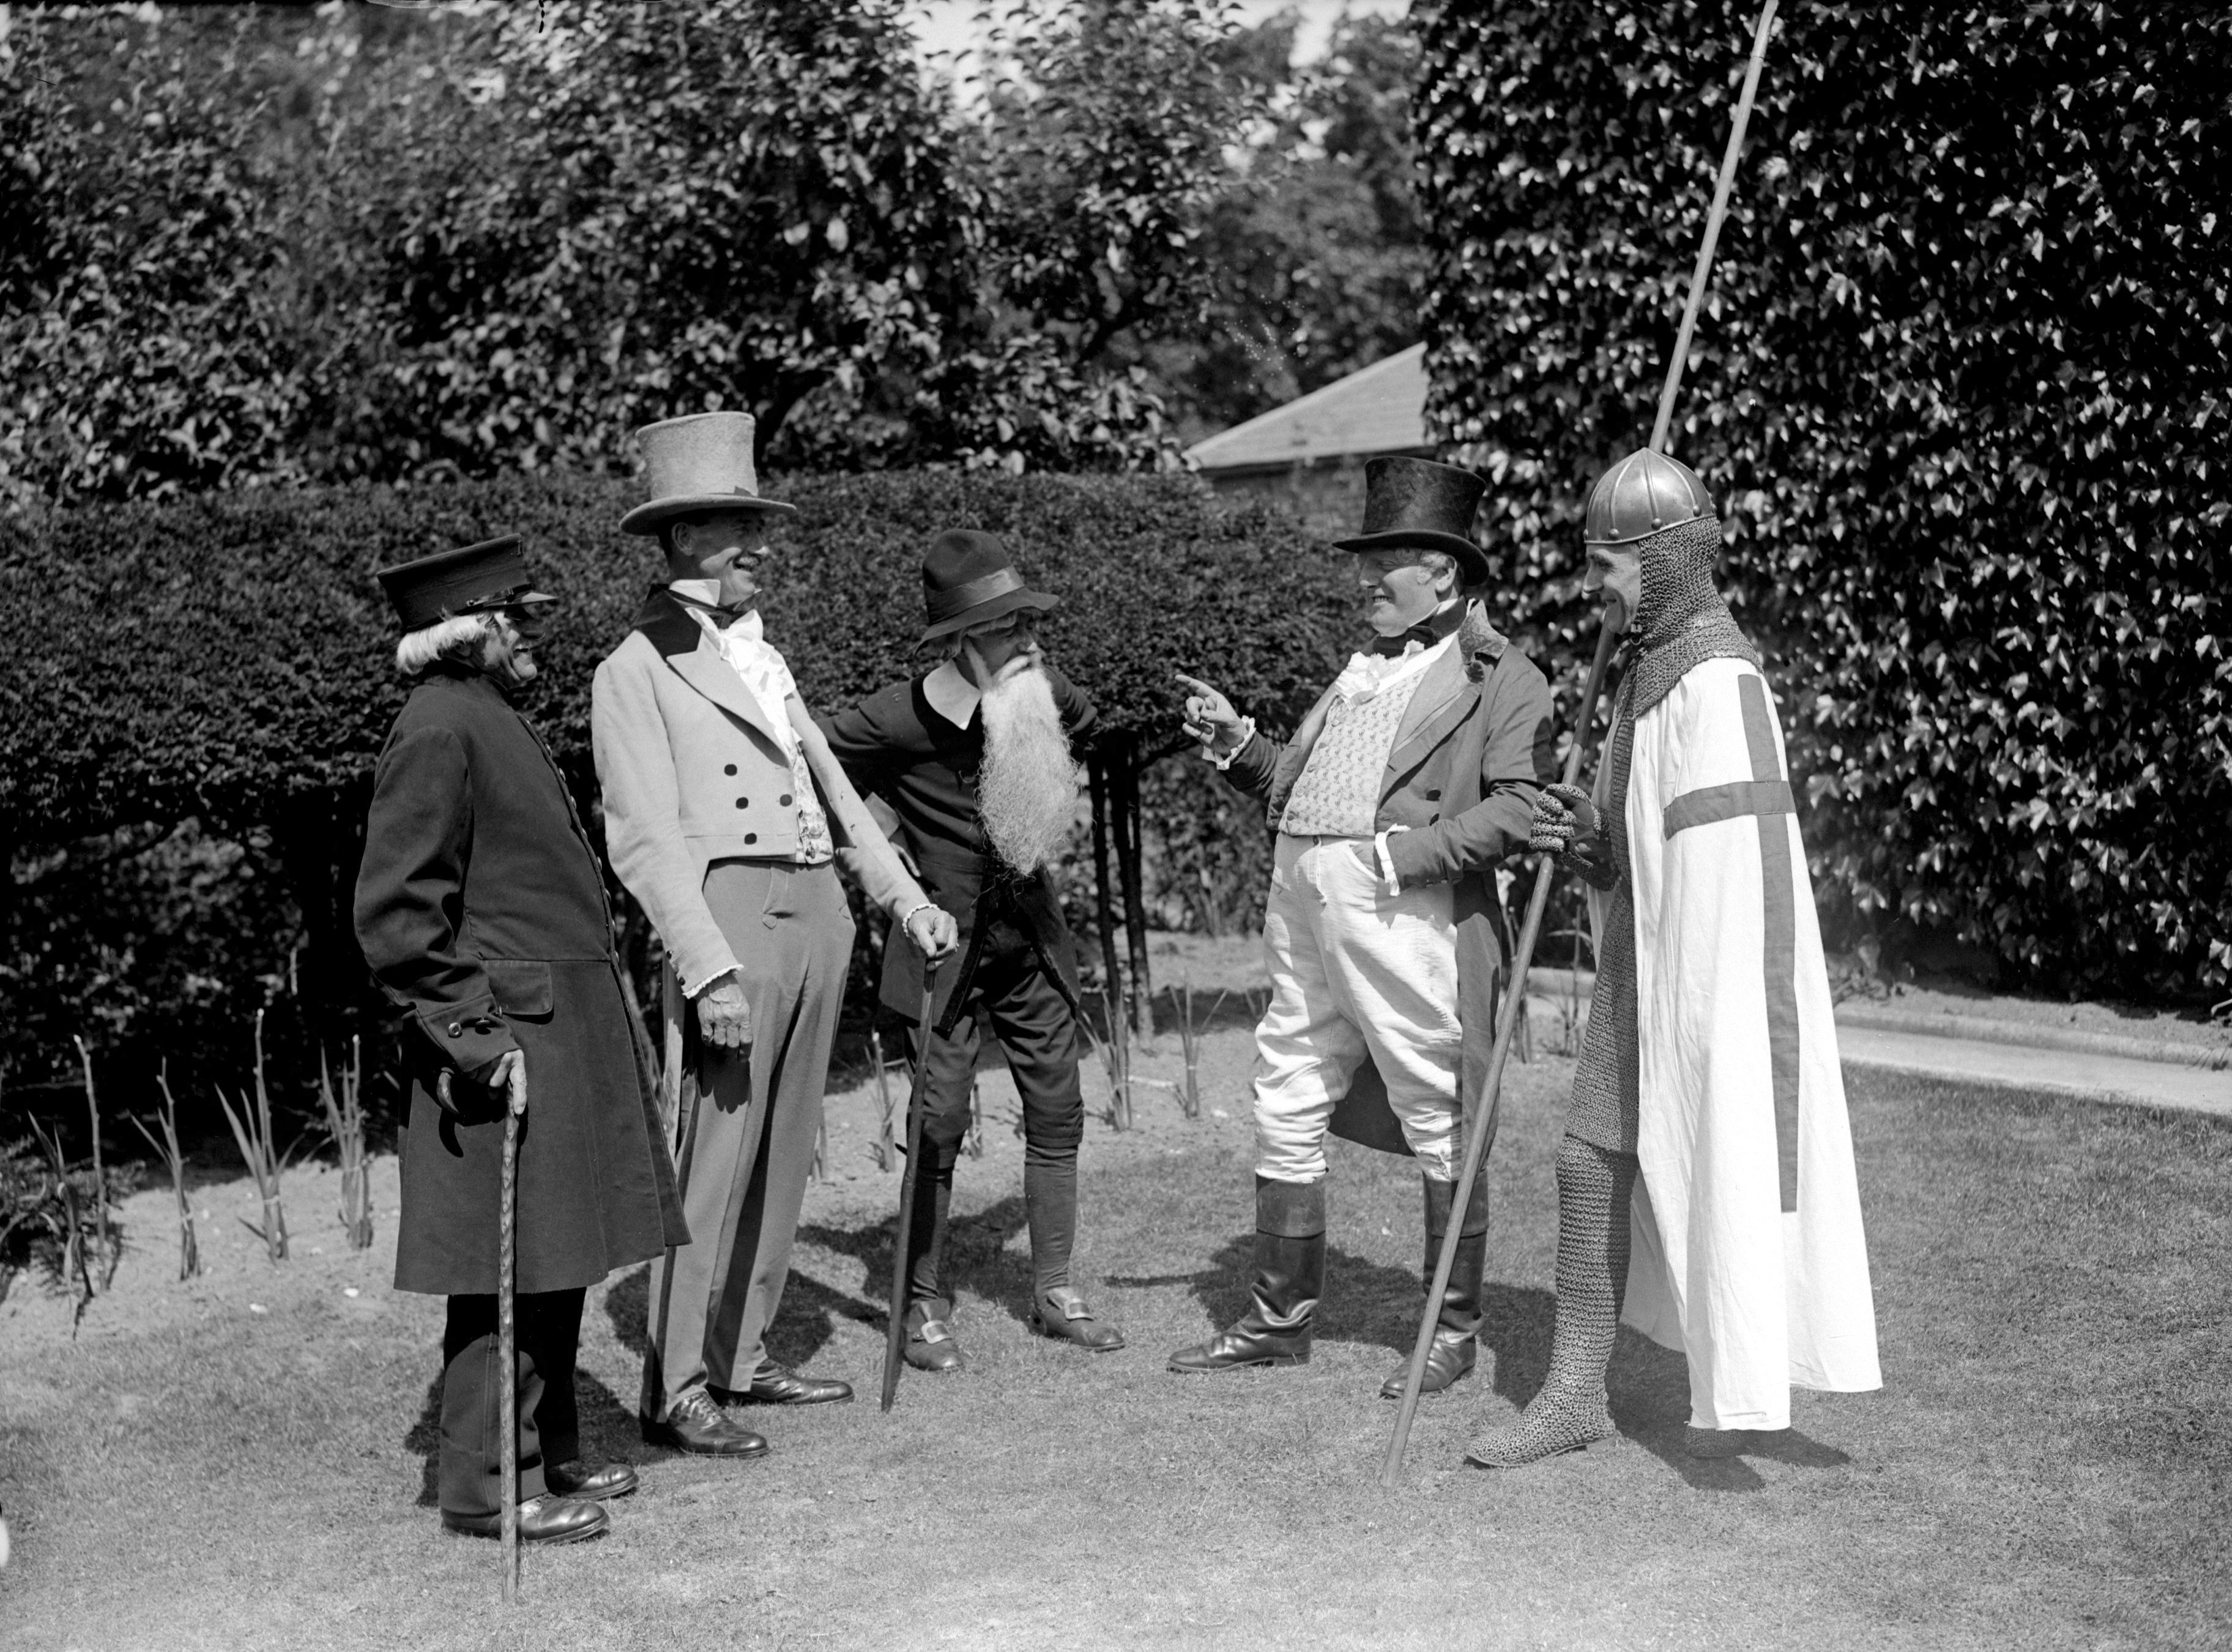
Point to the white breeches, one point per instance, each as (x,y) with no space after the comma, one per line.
(1355,972)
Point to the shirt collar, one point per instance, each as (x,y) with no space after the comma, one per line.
(952,696)
(708,593)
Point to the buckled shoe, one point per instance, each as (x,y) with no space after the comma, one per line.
(929,1345)
(1063,1315)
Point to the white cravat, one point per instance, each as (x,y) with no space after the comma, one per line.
(744,644)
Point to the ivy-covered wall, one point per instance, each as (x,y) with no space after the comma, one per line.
(1963,384)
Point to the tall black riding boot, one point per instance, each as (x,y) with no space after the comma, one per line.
(929,1345)
(1290,1255)
(1456,1334)
(1594,1186)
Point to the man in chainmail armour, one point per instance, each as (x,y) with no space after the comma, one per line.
(1707,1113)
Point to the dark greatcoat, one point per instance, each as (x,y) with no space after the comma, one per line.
(1465,782)
(896,748)
(481,910)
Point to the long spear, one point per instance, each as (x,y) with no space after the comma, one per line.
(1515,999)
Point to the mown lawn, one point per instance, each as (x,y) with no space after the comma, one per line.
(2045,1467)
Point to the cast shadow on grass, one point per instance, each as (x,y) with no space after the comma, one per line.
(976,1255)
(607,1430)
(802,1328)
(1368,1302)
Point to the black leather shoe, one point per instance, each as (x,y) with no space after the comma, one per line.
(1064,1316)
(776,1386)
(929,1345)
(541,1520)
(697,1425)
(606,1481)
(1450,1357)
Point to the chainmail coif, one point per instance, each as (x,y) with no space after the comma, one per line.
(1570,1410)
(1680,621)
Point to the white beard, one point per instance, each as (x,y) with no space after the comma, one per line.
(1026,792)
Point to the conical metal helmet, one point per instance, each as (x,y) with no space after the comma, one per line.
(1641,494)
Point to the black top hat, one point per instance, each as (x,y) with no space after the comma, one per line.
(488,575)
(967,581)
(1417,503)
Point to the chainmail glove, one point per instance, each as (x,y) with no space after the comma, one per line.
(1566,825)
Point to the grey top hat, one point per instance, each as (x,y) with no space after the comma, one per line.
(700,463)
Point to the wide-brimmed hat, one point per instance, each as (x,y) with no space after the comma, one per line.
(489,574)
(701,463)
(969,579)
(1417,503)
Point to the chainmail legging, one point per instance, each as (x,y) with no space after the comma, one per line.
(1594,1188)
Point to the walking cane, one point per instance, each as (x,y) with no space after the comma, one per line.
(1482,1136)
(507,1338)
(895,1334)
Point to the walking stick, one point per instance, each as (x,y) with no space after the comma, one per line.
(895,1334)
(507,1337)
(1482,1136)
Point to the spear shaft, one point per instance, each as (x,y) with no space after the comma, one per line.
(1481,1136)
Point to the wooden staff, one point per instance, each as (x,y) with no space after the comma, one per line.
(506,1335)
(895,1334)
(1482,1136)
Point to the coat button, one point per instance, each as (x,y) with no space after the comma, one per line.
(743,802)
(784,800)
(728,768)
(751,836)
(456,1030)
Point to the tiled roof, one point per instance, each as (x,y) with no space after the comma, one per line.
(1379,409)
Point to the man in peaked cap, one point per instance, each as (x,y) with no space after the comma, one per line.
(723,811)
(480,909)
(1707,1124)
(1407,784)
(973,758)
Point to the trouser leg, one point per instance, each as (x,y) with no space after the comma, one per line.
(551,1336)
(470,1473)
(1594,1188)
(1390,965)
(948,1069)
(749,1130)
(794,1021)
(1038,1034)
(1308,1047)
(710,1164)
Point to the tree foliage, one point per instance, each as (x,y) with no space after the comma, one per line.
(1317,249)
(1963,383)
(247,246)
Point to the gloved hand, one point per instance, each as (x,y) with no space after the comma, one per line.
(1567,826)
(1562,815)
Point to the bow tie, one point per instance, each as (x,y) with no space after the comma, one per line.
(1399,645)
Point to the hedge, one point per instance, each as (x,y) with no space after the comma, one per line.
(1963,384)
(217,655)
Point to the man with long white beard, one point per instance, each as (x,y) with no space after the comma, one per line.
(974,759)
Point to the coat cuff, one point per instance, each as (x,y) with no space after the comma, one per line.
(469,1035)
